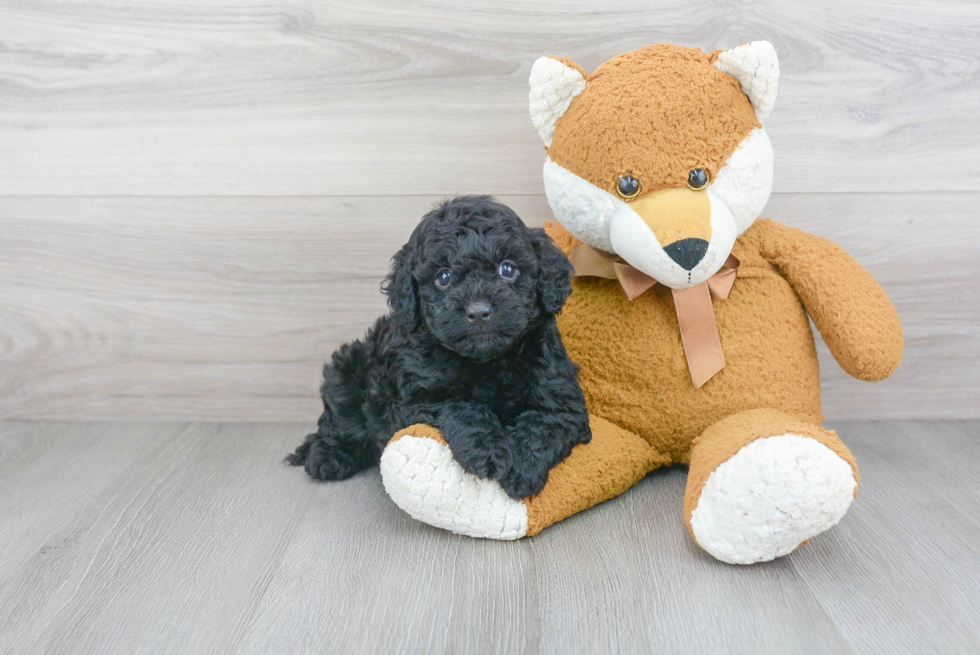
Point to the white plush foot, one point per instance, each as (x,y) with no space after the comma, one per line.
(423,479)
(770,497)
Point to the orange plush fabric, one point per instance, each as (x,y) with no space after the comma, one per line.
(706,111)
(634,371)
(655,114)
(613,462)
(851,310)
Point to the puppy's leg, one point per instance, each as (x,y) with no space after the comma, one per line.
(326,455)
(342,445)
(473,432)
(536,442)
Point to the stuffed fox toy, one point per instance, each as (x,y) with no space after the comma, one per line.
(688,316)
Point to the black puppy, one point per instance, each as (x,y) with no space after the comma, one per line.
(471,347)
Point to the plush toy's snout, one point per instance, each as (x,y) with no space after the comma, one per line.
(677,236)
(681,221)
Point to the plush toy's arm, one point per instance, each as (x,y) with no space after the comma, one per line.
(562,237)
(851,310)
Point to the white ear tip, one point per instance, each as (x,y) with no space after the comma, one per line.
(543,69)
(756,66)
(553,87)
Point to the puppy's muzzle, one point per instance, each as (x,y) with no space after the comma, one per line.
(478,312)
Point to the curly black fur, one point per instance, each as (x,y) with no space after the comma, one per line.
(503,391)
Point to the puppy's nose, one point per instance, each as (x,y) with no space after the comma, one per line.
(478,312)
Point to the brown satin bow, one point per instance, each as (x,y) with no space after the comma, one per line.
(695,314)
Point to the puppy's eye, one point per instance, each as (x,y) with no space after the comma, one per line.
(443,278)
(508,270)
(628,186)
(697,179)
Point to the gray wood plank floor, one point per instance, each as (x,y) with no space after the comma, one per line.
(156,537)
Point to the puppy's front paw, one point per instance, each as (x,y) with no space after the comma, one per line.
(490,461)
(522,484)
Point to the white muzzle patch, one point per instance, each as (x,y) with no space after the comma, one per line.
(635,242)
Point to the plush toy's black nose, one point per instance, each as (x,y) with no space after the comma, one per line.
(687,252)
(478,312)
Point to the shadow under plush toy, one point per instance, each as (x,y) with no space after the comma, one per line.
(688,315)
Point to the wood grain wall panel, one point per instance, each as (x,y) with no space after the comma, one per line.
(218,308)
(197,202)
(225,308)
(368,97)
(923,250)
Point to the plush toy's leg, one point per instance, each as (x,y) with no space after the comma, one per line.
(421,476)
(762,483)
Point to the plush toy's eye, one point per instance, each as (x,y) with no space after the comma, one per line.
(443,278)
(628,186)
(697,179)
(508,270)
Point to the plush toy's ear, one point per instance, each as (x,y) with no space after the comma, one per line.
(400,286)
(756,67)
(554,84)
(554,272)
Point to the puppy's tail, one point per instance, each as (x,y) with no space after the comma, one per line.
(302,453)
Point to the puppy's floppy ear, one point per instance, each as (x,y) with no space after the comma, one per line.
(400,286)
(554,273)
